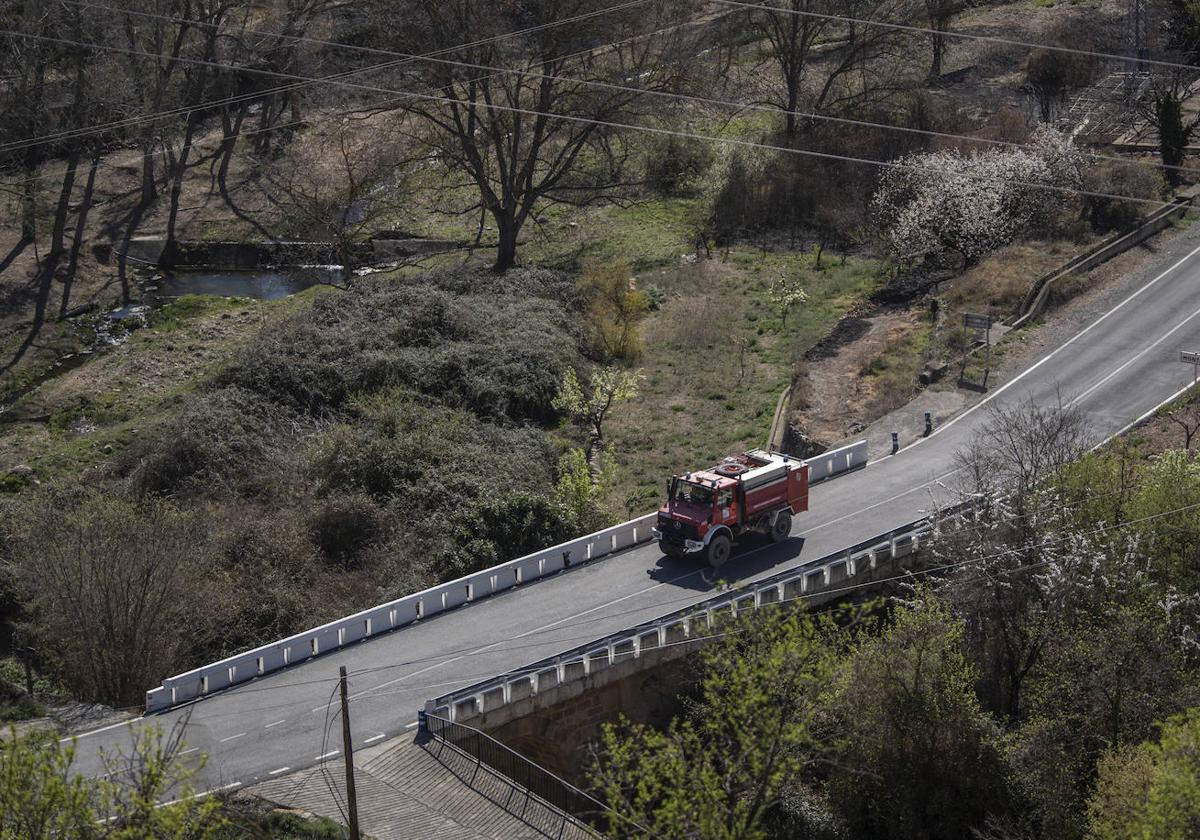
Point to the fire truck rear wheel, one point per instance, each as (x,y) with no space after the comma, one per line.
(782,527)
(719,549)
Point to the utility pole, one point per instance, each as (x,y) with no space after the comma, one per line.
(351,796)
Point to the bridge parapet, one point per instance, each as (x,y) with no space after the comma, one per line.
(508,696)
(243,667)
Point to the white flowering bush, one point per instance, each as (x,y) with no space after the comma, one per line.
(970,204)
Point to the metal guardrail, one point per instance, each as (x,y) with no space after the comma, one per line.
(243,667)
(827,574)
(533,784)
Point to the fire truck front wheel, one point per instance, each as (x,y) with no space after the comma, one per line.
(782,527)
(719,549)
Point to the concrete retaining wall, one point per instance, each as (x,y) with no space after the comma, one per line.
(245,256)
(1039,291)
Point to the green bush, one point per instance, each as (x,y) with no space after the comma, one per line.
(676,165)
(344,525)
(217,439)
(501,529)
(428,457)
(498,355)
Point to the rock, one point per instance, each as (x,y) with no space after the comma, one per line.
(107,449)
(932,373)
(23,470)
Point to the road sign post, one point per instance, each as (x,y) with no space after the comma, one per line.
(982,324)
(1190,358)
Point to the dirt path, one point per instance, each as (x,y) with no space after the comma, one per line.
(836,400)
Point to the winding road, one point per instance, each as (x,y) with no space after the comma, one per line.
(1117,369)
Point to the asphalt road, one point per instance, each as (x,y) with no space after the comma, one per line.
(1118,369)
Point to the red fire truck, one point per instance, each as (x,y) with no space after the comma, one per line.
(706,511)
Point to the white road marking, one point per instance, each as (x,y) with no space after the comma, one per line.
(232,737)
(1132,360)
(1047,357)
(413,725)
(277,772)
(98,731)
(375,738)
(190,751)
(276,723)
(203,794)
(327,755)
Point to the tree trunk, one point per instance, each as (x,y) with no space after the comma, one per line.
(85,206)
(180,173)
(149,188)
(939,50)
(792,127)
(506,249)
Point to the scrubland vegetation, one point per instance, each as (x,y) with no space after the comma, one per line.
(646,220)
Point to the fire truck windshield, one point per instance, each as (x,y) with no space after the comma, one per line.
(694,494)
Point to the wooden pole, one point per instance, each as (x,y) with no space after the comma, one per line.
(351,796)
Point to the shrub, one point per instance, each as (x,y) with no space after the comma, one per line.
(615,310)
(102,577)
(497,355)
(343,525)
(429,457)
(503,528)
(675,165)
(216,440)
(1135,180)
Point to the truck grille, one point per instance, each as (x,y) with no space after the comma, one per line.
(676,529)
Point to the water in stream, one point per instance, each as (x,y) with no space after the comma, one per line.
(262,284)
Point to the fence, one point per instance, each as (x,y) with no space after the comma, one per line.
(831,574)
(384,618)
(557,800)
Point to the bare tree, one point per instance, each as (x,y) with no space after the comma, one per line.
(336,184)
(793,28)
(113,588)
(940,14)
(1025,554)
(538,133)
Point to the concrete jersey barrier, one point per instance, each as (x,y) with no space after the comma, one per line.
(243,667)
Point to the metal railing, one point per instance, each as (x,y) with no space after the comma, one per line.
(564,807)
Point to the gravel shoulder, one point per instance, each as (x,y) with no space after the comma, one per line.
(1097,293)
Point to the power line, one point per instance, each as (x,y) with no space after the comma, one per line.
(967,36)
(281,88)
(403,58)
(904,166)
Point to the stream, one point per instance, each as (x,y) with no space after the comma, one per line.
(260,284)
(159,289)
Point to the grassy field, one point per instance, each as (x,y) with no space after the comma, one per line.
(78,419)
(717,356)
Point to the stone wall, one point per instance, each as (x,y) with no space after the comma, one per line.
(560,737)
